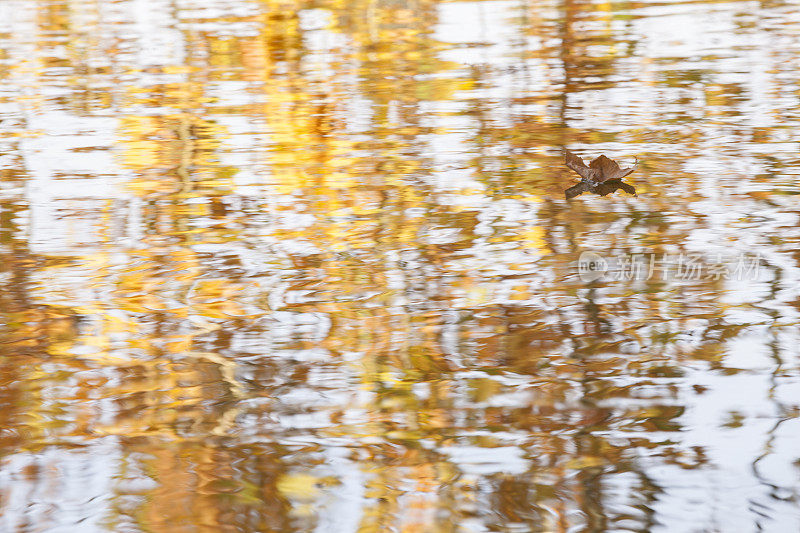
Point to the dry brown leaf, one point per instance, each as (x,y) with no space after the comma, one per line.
(599,170)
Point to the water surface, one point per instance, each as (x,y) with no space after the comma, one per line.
(308,266)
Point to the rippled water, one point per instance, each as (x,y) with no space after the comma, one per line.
(308,266)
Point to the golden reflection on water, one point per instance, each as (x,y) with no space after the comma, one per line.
(297,266)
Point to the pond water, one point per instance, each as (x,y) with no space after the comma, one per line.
(274,265)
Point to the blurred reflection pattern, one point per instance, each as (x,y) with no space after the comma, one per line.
(308,266)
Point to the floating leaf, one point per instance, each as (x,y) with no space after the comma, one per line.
(603,176)
(599,170)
